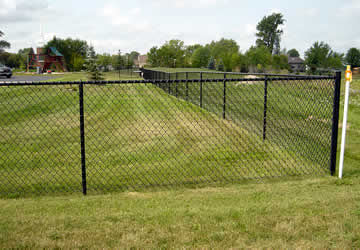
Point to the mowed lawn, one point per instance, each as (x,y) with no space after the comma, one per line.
(318,212)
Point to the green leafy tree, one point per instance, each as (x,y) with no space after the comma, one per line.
(220,66)
(353,57)
(293,53)
(189,52)
(118,61)
(3,44)
(70,48)
(133,56)
(201,57)
(211,64)
(335,61)
(239,62)
(259,57)
(153,57)
(104,61)
(224,50)
(280,62)
(269,33)
(320,55)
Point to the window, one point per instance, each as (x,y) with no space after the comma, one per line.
(41,58)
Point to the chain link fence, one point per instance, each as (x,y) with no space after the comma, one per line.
(129,135)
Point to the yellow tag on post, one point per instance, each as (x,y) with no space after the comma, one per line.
(348,74)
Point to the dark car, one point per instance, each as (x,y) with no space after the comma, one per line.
(5,71)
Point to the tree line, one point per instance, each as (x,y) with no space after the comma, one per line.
(265,55)
(76,54)
(224,55)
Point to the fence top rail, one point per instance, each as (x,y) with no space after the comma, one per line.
(236,73)
(2,84)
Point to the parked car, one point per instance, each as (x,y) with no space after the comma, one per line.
(5,71)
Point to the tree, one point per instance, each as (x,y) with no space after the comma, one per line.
(335,61)
(317,56)
(93,70)
(211,64)
(220,66)
(3,44)
(269,33)
(293,53)
(259,57)
(104,61)
(224,49)
(353,57)
(280,62)
(153,57)
(239,62)
(200,57)
(72,50)
(189,52)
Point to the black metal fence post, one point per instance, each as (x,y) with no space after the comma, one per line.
(169,85)
(176,84)
(201,88)
(335,123)
(265,107)
(224,98)
(187,86)
(82,137)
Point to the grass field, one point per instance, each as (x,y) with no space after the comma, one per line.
(83,76)
(284,213)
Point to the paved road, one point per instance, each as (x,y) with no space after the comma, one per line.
(26,78)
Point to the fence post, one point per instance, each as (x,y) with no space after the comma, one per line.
(169,85)
(82,137)
(187,86)
(201,87)
(265,106)
(335,122)
(224,98)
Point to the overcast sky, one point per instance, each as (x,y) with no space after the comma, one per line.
(110,25)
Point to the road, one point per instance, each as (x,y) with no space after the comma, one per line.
(26,78)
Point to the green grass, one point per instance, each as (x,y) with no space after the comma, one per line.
(83,76)
(136,136)
(321,212)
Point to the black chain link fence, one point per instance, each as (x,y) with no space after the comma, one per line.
(129,135)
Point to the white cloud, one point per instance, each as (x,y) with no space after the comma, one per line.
(250,29)
(274,10)
(350,8)
(311,12)
(130,19)
(22,10)
(191,3)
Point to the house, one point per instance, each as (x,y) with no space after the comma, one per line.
(297,64)
(356,70)
(141,61)
(43,60)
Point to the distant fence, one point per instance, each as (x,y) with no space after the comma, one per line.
(129,135)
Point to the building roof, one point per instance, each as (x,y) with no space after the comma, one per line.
(295,60)
(54,51)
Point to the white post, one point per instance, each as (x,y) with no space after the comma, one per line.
(346,106)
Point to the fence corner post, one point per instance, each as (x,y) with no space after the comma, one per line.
(335,122)
(82,137)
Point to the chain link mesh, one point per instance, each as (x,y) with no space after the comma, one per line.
(163,132)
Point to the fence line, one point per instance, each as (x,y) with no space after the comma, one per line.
(164,132)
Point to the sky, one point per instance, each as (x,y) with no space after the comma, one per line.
(110,25)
